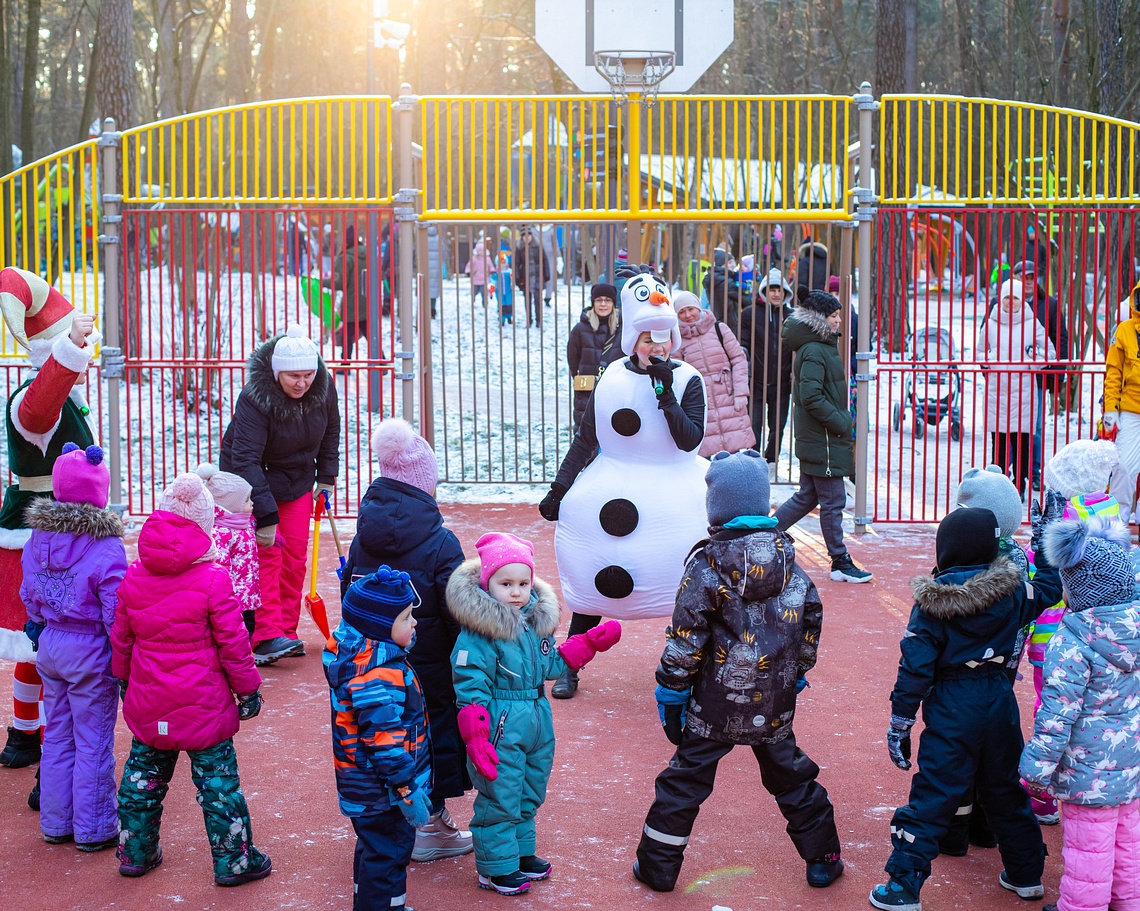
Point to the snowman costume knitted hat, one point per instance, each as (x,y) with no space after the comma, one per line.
(294,352)
(404,455)
(989,488)
(498,549)
(81,476)
(646,307)
(737,486)
(1082,467)
(230,491)
(1093,560)
(188,497)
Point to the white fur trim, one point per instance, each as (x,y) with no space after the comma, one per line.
(16,646)
(40,440)
(14,538)
(69,355)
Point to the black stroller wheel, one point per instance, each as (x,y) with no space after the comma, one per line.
(955,431)
(896,416)
(919,427)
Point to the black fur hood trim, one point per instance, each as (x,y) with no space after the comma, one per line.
(266,394)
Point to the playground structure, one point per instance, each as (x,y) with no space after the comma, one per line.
(193,265)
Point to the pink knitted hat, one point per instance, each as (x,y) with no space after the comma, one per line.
(404,455)
(497,549)
(188,497)
(81,476)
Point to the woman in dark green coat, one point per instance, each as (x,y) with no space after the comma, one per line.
(823,425)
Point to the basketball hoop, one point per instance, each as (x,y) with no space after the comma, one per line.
(634,71)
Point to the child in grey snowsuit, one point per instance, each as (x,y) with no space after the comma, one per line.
(745,632)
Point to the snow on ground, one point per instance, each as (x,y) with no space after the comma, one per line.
(502,399)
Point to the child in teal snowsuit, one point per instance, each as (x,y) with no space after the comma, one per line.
(504,654)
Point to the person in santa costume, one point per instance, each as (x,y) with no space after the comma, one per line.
(47,410)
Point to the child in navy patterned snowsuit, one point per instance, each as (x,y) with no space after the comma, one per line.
(379,732)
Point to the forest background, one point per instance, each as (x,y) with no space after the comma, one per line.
(65,63)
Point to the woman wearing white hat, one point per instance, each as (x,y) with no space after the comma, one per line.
(284,440)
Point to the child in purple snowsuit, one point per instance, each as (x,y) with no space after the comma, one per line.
(73,564)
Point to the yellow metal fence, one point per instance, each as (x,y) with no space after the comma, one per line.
(942,148)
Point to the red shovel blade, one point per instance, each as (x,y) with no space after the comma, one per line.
(316,606)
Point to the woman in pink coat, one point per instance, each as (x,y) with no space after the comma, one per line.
(181,654)
(713,349)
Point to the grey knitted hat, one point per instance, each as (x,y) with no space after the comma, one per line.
(737,486)
(1094,560)
(990,488)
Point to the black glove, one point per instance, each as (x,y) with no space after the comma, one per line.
(898,741)
(662,375)
(249,706)
(551,503)
(672,709)
(1040,519)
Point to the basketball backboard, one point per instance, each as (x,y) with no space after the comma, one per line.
(572,31)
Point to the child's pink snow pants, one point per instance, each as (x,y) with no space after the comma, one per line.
(1102,858)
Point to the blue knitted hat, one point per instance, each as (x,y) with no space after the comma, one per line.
(373,603)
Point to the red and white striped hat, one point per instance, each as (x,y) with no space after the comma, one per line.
(32,309)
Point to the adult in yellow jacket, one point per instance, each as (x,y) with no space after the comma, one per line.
(1122,406)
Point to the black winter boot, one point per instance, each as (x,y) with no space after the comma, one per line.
(21,750)
(34,797)
(566,685)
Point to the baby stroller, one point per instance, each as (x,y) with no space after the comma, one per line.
(932,395)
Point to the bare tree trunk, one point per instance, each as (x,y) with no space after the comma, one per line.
(168,100)
(1062,53)
(890,271)
(88,116)
(240,54)
(114,80)
(910,56)
(28,91)
(1110,93)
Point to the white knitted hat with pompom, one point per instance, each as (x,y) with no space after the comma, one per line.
(294,351)
(404,455)
(1082,467)
(230,491)
(188,497)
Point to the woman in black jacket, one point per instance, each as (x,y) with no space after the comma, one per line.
(400,526)
(594,344)
(284,440)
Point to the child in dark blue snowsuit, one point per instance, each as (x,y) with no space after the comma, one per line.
(968,619)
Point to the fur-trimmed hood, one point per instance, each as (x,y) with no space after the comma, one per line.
(270,399)
(816,322)
(476,611)
(964,592)
(43,514)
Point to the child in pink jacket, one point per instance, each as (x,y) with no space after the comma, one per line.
(235,535)
(182,655)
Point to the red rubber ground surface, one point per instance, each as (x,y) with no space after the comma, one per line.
(610,748)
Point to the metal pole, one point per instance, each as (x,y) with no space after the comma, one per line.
(111,366)
(633,178)
(406,215)
(864,217)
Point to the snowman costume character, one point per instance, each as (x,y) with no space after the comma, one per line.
(627,524)
(47,410)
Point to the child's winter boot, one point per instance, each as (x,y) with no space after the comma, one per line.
(896,895)
(823,871)
(441,838)
(508,884)
(534,867)
(22,749)
(1028,891)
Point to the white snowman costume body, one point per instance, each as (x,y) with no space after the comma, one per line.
(630,519)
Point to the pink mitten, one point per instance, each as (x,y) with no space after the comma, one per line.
(578,650)
(475,729)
